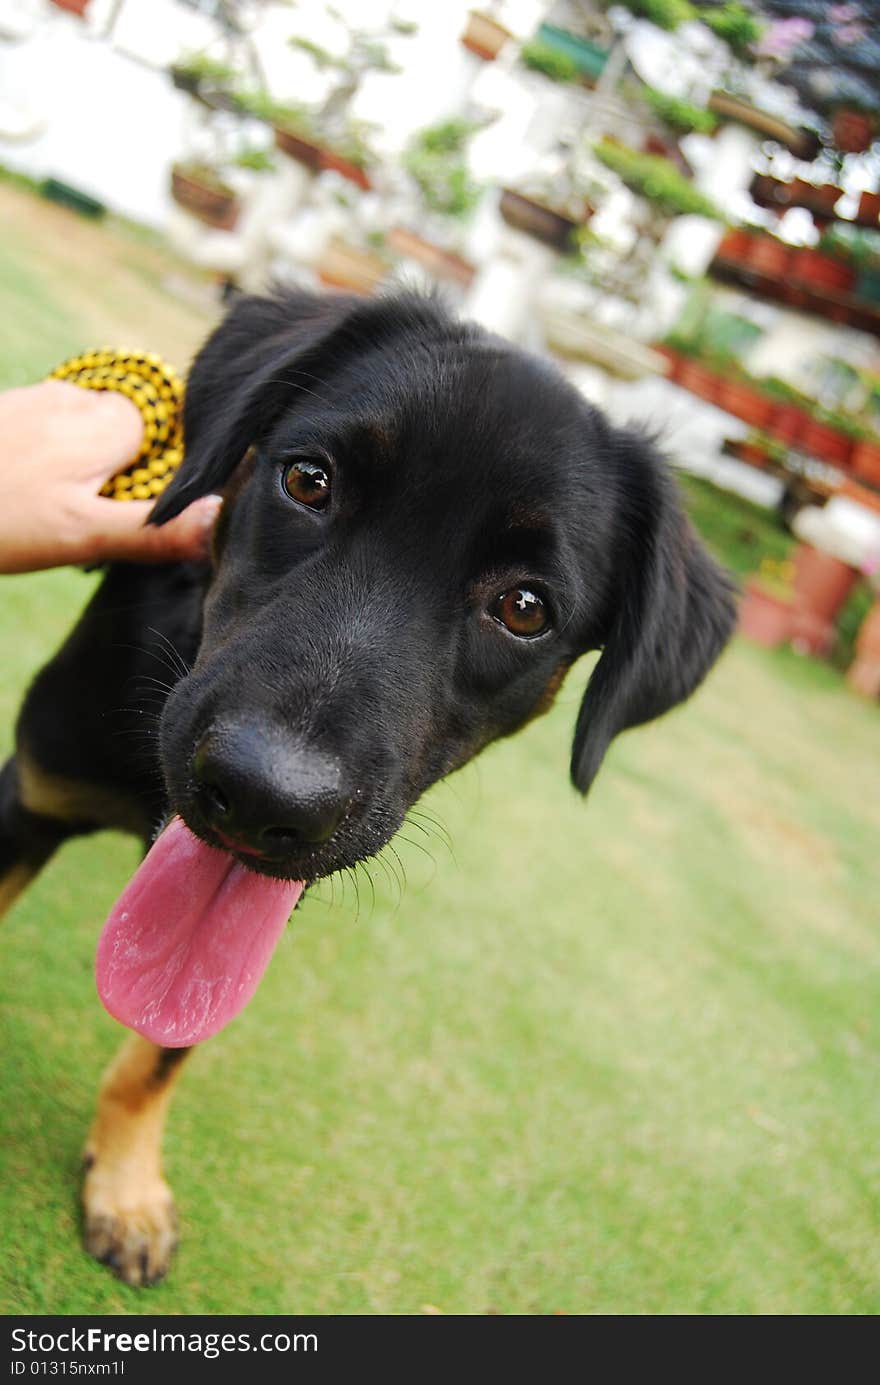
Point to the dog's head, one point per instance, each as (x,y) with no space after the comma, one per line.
(424,528)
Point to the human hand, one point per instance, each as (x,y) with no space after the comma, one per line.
(60,444)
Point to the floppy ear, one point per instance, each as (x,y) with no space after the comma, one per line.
(247,371)
(672,615)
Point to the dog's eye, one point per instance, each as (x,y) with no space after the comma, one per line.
(308,482)
(522,612)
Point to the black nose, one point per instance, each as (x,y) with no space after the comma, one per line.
(256,785)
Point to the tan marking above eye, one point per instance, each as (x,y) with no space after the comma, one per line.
(308,483)
(522,612)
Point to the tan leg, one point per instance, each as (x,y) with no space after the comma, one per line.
(129,1215)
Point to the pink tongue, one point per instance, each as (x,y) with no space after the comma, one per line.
(188,940)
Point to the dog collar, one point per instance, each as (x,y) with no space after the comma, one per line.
(157,391)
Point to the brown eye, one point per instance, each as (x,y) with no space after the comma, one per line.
(522,612)
(309,483)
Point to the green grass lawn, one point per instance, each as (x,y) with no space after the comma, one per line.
(614,1057)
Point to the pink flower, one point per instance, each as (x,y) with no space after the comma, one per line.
(783,35)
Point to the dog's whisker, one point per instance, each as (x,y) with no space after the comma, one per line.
(362,865)
(417,846)
(146,679)
(322,399)
(159,655)
(175,653)
(391,877)
(352,876)
(435,827)
(391,847)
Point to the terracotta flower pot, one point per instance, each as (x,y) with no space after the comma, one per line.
(438,261)
(853,131)
(765,616)
(788,423)
(752,452)
(769,256)
(352,171)
(863,675)
(543,223)
(868,638)
(821,586)
(484,36)
(820,199)
(869,209)
(822,271)
(822,583)
(770,192)
(866,461)
(303,151)
(735,245)
(826,443)
(345,266)
(210,202)
(673,359)
(699,380)
(744,401)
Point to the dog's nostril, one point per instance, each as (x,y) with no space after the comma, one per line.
(280,834)
(216,798)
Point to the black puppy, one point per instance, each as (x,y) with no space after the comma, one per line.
(423,528)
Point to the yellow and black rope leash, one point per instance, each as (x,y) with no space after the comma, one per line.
(157,391)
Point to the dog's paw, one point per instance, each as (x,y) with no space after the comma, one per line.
(129,1226)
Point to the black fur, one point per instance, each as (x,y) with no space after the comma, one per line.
(361,639)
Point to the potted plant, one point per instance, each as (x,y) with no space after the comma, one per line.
(853,131)
(440,262)
(863,675)
(195,72)
(869,209)
(200,189)
(699,379)
(484,36)
(292,126)
(298,135)
(738,26)
(756,449)
(866,460)
(346,265)
(791,410)
(769,256)
(527,212)
(674,359)
(820,270)
(681,116)
(735,246)
(820,587)
(328,138)
(744,400)
(788,423)
(435,160)
(554,206)
(554,63)
(826,442)
(766,613)
(656,179)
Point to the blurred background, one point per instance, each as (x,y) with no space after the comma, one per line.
(542,1056)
